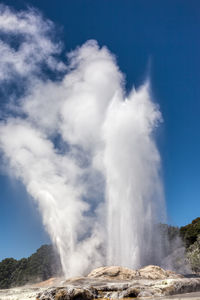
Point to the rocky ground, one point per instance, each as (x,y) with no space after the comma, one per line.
(117,283)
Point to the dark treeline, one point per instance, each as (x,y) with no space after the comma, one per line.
(45,262)
(39,266)
(190,232)
(175,239)
(190,235)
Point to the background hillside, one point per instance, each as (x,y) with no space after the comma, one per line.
(45,263)
(39,266)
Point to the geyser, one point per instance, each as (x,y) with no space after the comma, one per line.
(83,149)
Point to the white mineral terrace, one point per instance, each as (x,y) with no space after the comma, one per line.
(30,293)
(22,293)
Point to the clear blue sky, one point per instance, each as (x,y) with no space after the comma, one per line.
(161,34)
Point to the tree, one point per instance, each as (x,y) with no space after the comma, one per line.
(190,232)
(7,267)
(193,255)
(43,264)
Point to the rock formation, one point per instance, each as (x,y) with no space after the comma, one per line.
(118,282)
(121,273)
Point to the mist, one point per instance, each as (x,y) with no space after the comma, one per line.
(84,149)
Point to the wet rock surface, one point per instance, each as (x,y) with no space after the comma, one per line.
(117,282)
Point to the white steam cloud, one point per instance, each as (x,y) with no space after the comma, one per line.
(84,151)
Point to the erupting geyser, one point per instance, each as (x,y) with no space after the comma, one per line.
(83,149)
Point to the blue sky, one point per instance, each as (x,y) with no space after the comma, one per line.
(159,36)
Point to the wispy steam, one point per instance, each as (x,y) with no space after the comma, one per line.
(84,151)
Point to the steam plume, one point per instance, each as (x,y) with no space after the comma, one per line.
(85,152)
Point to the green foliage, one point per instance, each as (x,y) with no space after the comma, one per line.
(193,255)
(190,232)
(39,266)
(7,267)
(190,235)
